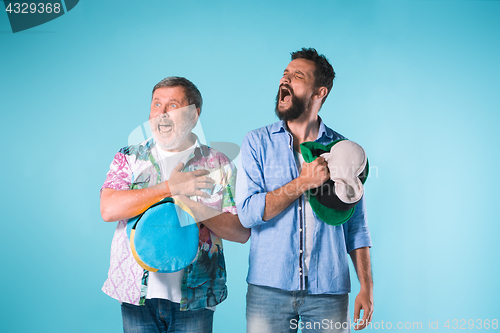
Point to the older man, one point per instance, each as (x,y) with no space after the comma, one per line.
(298,263)
(171,164)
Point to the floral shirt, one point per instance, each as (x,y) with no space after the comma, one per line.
(204,280)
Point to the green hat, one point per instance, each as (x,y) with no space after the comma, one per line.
(334,201)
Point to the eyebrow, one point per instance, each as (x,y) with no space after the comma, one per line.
(169,100)
(296,71)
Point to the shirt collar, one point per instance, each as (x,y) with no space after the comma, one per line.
(280,127)
(324,130)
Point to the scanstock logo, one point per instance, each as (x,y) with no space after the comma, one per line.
(28,14)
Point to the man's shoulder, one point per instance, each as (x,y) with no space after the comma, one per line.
(271,128)
(266,131)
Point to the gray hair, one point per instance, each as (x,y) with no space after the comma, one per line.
(193,95)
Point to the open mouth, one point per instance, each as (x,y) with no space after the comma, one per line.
(162,129)
(285,94)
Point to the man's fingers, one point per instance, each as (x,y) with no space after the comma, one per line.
(369,317)
(200,172)
(357,309)
(179,167)
(202,194)
(204,185)
(206,179)
(365,319)
(360,324)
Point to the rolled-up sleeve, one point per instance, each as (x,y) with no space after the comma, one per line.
(119,175)
(356,230)
(250,186)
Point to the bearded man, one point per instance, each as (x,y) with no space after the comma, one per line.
(299,274)
(173,163)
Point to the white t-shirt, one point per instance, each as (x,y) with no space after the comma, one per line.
(308,218)
(168,285)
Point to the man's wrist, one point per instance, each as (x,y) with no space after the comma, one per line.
(366,287)
(169,190)
(298,186)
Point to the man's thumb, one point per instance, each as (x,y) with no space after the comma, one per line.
(179,167)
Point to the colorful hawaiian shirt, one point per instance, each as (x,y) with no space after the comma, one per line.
(204,281)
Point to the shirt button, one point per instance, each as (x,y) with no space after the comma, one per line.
(290,146)
(300,208)
(300,269)
(300,273)
(300,251)
(300,229)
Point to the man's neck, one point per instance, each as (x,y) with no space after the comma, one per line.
(305,128)
(190,141)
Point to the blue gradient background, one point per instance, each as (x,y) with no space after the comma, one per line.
(416,87)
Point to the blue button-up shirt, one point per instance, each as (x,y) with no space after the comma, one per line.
(277,246)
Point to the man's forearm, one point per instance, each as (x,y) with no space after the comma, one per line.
(361,261)
(119,205)
(281,198)
(312,175)
(225,225)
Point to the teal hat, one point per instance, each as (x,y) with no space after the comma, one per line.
(165,237)
(334,201)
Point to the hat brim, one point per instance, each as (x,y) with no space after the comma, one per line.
(165,237)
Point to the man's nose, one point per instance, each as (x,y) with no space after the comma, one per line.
(285,79)
(164,113)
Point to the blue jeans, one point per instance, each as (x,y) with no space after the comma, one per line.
(271,310)
(162,316)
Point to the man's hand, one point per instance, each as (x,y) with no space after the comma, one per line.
(189,183)
(313,174)
(364,301)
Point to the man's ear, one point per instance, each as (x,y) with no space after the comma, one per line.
(320,93)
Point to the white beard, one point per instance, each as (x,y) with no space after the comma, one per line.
(180,131)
